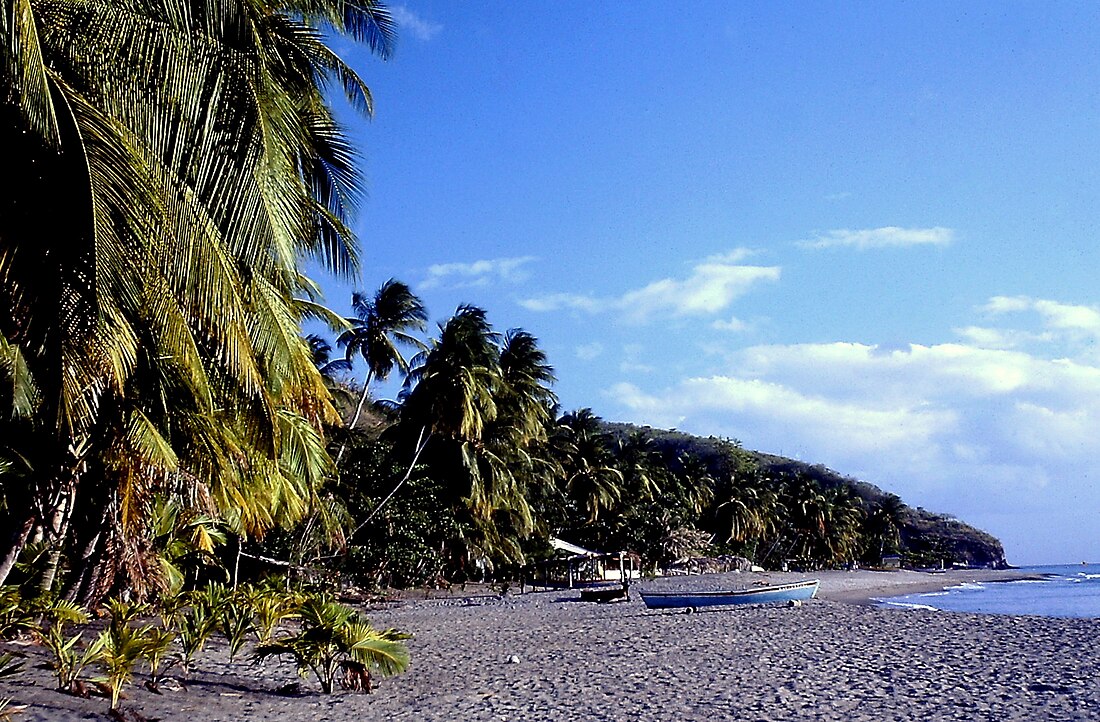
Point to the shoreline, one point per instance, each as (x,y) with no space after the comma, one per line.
(916,582)
(860,586)
(547,655)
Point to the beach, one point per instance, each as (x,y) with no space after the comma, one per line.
(548,656)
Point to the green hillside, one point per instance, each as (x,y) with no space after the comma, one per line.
(925,538)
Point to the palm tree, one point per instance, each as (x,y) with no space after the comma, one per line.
(591,477)
(642,464)
(450,390)
(194,147)
(448,397)
(382,323)
(749,509)
(883,522)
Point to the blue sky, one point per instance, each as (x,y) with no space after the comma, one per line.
(862,235)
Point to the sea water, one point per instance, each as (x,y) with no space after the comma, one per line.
(1066,590)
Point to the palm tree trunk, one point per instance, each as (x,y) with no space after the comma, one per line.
(58,529)
(16,541)
(358,413)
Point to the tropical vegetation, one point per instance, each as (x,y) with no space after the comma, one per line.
(169,438)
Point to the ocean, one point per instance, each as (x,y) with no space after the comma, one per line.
(1068,590)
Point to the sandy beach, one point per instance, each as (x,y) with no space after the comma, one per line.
(548,656)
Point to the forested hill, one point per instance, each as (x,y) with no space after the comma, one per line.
(924,537)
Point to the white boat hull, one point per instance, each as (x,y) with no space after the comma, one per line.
(796,591)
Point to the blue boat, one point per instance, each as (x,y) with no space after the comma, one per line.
(795,591)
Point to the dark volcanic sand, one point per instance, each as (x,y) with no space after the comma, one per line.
(547,656)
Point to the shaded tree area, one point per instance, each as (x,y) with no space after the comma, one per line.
(471,470)
(172,166)
(164,424)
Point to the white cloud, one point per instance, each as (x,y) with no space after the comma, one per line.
(885,237)
(408,20)
(712,287)
(589,351)
(1071,329)
(989,434)
(1006,304)
(632,360)
(1000,338)
(477,273)
(558,301)
(731,324)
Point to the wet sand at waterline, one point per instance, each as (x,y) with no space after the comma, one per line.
(549,656)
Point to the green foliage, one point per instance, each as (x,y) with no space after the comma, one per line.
(335,644)
(123,645)
(15,617)
(185,543)
(196,623)
(68,657)
(10,665)
(150,341)
(157,648)
(271,605)
(235,619)
(8,710)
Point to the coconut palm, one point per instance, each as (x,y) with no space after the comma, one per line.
(746,511)
(883,524)
(334,641)
(193,147)
(381,326)
(511,459)
(450,389)
(525,401)
(591,477)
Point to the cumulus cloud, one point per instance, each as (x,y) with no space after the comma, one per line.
(589,351)
(713,286)
(1055,315)
(731,324)
(980,432)
(418,27)
(885,237)
(1001,338)
(477,273)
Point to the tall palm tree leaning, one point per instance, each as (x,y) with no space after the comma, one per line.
(153,326)
(381,323)
(448,393)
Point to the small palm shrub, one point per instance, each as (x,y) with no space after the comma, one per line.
(197,621)
(271,605)
(336,645)
(9,710)
(235,619)
(159,643)
(69,658)
(16,616)
(123,645)
(10,665)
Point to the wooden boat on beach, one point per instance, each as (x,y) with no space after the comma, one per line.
(793,592)
(602,595)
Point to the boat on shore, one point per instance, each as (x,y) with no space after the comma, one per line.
(793,592)
(605,594)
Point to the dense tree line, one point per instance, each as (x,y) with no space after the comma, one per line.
(163,422)
(474,467)
(171,165)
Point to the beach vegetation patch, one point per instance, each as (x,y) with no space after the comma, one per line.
(337,646)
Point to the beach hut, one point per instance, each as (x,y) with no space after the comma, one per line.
(573,564)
